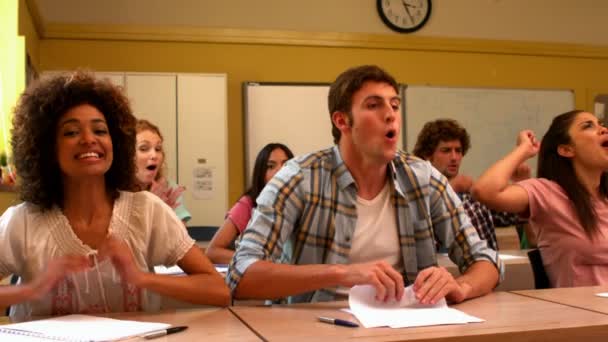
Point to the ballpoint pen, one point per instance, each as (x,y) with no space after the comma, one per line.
(338,321)
(164,332)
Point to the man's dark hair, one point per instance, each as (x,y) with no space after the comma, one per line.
(341,91)
(437,131)
(258,180)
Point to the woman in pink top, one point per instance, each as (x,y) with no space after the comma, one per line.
(269,160)
(567,204)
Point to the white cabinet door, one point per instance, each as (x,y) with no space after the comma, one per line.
(203,146)
(153,97)
(117,78)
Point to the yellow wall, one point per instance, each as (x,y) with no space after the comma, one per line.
(12,75)
(28,30)
(12,66)
(453,62)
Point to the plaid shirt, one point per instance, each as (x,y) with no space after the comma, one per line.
(484,219)
(309,205)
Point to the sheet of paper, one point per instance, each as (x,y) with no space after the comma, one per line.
(203,181)
(400,314)
(511,257)
(83,328)
(176,270)
(221,268)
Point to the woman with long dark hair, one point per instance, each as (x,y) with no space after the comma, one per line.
(567,204)
(269,160)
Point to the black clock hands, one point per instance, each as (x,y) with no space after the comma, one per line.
(408,17)
(406,4)
(407,10)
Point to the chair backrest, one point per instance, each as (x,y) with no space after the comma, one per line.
(541,280)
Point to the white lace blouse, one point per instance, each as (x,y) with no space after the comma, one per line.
(29,238)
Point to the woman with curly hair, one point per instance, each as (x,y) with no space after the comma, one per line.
(150,161)
(82,241)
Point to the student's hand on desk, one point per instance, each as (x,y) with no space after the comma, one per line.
(121,257)
(55,271)
(382,276)
(434,283)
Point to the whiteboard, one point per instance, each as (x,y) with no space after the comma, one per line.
(493,117)
(295,114)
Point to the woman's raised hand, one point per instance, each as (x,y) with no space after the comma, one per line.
(526,140)
(169,195)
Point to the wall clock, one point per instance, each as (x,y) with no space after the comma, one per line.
(404,16)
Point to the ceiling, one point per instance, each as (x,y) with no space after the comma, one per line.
(132,12)
(294,15)
(566,21)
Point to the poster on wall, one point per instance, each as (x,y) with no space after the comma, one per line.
(202,182)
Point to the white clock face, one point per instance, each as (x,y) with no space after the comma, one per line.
(404,15)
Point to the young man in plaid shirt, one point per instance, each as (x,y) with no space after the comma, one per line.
(360,212)
(444,142)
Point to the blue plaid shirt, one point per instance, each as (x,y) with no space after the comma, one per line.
(309,206)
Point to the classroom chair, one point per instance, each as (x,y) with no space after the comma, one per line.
(541,280)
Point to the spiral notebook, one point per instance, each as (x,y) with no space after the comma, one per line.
(79,328)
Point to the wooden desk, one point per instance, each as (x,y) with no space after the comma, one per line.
(579,297)
(518,272)
(509,317)
(507,238)
(210,324)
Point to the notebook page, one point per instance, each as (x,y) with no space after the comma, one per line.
(85,328)
(4,336)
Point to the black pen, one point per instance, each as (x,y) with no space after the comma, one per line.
(164,332)
(338,321)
